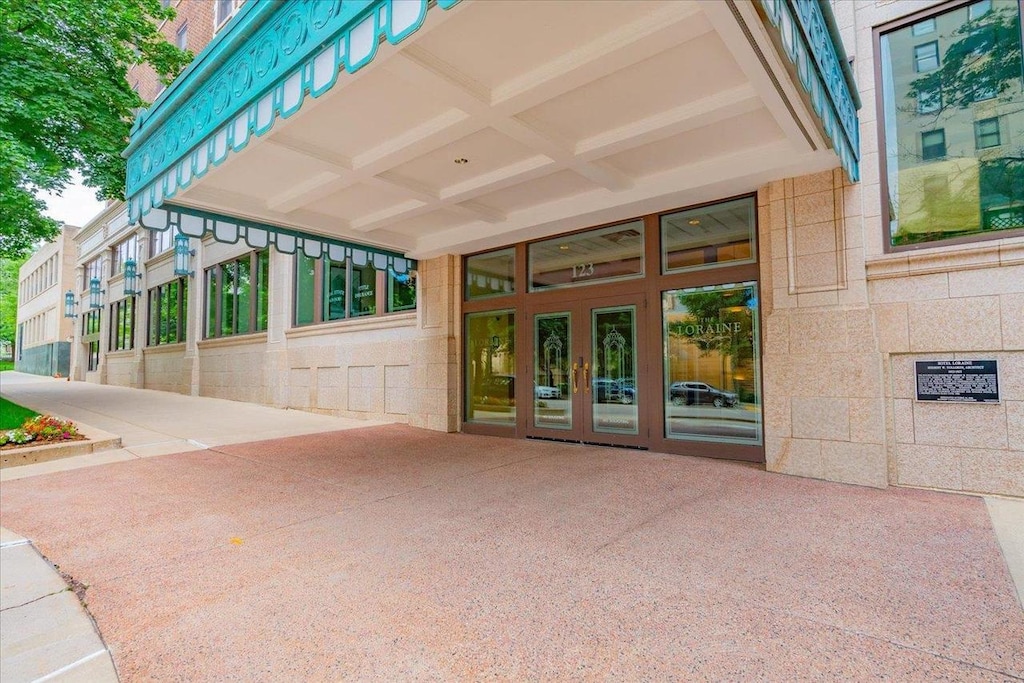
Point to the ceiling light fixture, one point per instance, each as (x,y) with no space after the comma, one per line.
(462,160)
(694,221)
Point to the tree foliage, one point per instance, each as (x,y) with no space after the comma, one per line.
(65,102)
(9,297)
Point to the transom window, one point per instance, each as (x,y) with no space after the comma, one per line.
(968,81)
(122,251)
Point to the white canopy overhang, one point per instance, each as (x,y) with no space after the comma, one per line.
(425,128)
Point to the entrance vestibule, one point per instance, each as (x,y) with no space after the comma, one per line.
(641,334)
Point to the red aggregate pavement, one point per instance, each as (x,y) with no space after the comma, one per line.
(401,554)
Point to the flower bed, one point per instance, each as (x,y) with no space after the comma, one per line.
(40,431)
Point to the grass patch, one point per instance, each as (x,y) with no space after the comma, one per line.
(6,365)
(12,415)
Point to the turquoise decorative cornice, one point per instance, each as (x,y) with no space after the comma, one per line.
(262,66)
(807,33)
(228,229)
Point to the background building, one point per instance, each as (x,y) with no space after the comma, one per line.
(43,344)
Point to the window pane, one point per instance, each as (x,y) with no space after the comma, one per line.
(263,287)
(491,274)
(954,128)
(711,364)
(153,333)
(227,298)
(171,320)
(723,233)
(364,290)
(491,367)
(401,291)
(305,274)
(183,309)
(211,302)
(243,290)
(611,253)
(334,290)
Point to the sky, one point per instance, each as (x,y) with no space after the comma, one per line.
(77,205)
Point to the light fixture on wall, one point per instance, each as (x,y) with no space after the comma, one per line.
(132,278)
(183,256)
(95,293)
(69,304)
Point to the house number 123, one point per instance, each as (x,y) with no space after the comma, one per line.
(582,270)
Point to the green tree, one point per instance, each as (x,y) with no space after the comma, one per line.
(9,297)
(65,102)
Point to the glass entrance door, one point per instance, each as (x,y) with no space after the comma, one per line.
(585,364)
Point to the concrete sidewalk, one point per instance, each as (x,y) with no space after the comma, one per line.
(154,422)
(45,633)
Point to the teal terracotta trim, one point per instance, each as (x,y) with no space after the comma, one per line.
(258,235)
(809,42)
(261,68)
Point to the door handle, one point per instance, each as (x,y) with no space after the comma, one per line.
(575,384)
(586,377)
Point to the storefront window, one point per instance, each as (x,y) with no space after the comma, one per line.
(603,255)
(328,290)
(491,367)
(721,234)
(954,124)
(711,364)
(122,324)
(231,306)
(491,274)
(168,304)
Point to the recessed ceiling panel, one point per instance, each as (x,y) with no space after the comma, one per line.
(261,171)
(364,114)
(533,33)
(481,152)
(684,74)
(358,201)
(538,191)
(428,223)
(754,129)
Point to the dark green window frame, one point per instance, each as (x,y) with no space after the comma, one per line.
(168,313)
(237,295)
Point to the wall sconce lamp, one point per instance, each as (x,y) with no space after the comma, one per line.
(183,256)
(69,304)
(95,299)
(132,278)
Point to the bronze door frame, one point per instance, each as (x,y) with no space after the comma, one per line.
(581,312)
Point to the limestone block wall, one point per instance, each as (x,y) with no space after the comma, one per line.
(823,395)
(165,369)
(953,304)
(235,369)
(122,369)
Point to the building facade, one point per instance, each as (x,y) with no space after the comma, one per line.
(778,231)
(45,335)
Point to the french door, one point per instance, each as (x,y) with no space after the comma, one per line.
(586,360)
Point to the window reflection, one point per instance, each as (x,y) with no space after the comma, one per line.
(711,364)
(954,121)
(491,367)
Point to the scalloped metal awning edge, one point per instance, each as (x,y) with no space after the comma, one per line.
(257,235)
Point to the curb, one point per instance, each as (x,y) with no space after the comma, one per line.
(96,440)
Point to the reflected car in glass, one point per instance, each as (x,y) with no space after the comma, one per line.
(614,391)
(699,393)
(541,391)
